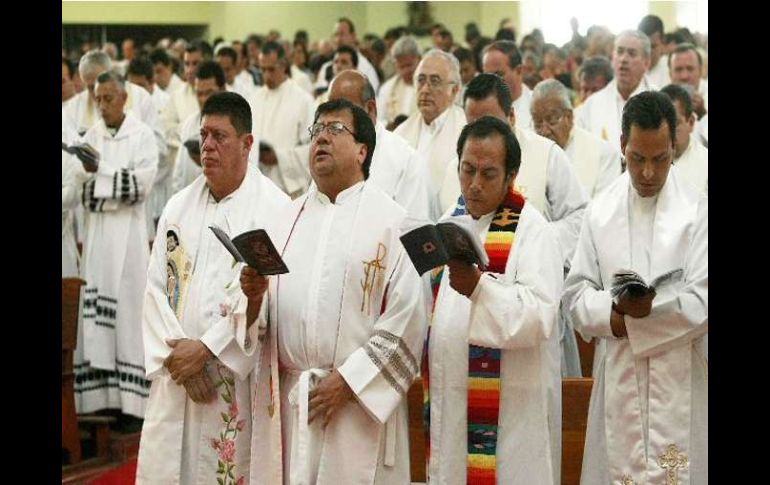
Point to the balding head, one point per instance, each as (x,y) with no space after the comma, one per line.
(356,88)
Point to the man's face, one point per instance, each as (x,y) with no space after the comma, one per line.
(253,51)
(467,71)
(496,62)
(227,65)
(590,86)
(685,68)
(342,62)
(162,74)
(551,119)
(128,49)
(140,81)
(224,153)
(342,35)
(407,65)
(482,174)
(656,48)
(191,62)
(204,88)
(273,69)
(336,157)
(648,156)
(110,99)
(489,106)
(684,126)
(629,62)
(67,86)
(435,88)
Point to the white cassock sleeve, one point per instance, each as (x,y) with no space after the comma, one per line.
(149,116)
(567,201)
(159,321)
(72,178)
(382,370)
(294,165)
(679,314)
(413,191)
(588,306)
(519,309)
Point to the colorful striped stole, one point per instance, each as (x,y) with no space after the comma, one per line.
(483,362)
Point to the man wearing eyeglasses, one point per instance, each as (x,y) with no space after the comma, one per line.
(595,161)
(434,130)
(344,328)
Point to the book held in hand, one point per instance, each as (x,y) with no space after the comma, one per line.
(627,280)
(253,248)
(429,245)
(85,152)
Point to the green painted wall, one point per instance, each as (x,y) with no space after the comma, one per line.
(140,12)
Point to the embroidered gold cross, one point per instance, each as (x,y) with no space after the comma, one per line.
(627,480)
(672,461)
(505,218)
(370,275)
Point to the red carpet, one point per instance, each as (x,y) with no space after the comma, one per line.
(123,475)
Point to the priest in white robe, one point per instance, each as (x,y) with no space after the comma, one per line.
(398,95)
(503,58)
(648,416)
(345,326)
(72,178)
(652,27)
(197,428)
(109,362)
(685,66)
(434,129)
(601,113)
(184,101)
(345,35)
(494,379)
(282,113)
(691,159)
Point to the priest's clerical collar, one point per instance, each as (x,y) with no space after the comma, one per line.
(343,195)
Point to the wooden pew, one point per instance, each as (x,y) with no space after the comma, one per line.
(70,300)
(586,351)
(576,394)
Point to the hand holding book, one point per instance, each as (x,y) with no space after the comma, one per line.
(87,155)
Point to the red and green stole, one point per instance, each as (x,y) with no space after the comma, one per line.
(483,362)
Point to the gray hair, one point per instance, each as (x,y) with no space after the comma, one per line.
(110,49)
(637,34)
(596,66)
(92,60)
(454,64)
(405,46)
(110,76)
(552,87)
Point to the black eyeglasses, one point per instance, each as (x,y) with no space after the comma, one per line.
(334,128)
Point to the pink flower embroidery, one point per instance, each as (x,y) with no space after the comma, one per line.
(234,409)
(214,443)
(224,309)
(239,482)
(239,426)
(227,451)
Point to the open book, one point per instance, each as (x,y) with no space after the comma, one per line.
(627,280)
(253,248)
(429,245)
(85,152)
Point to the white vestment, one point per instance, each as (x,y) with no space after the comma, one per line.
(602,113)
(281,118)
(162,185)
(72,177)
(659,74)
(650,393)
(396,97)
(703,90)
(364,66)
(183,104)
(351,301)
(517,313)
(701,130)
(436,143)
(109,362)
(521,108)
(597,164)
(693,165)
(174,83)
(187,295)
(302,79)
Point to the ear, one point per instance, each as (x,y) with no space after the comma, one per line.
(623,143)
(248,142)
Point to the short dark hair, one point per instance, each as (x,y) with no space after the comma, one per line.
(344,49)
(111,76)
(349,22)
(171,233)
(678,93)
(684,47)
(485,127)
(648,110)
(651,24)
(464,55)
(485,85)
(140,66)
(228,52)
(445,33)
(70,66)
(232,105)
(505,34)
(200,46)
(362,126)
(508,48)
(211,69)
(255,39)
(276,47)
(160,56)
(596,66)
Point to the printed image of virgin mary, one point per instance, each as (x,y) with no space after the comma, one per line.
(172,286)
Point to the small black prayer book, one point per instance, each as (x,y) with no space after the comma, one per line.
(429,246)
(253,248)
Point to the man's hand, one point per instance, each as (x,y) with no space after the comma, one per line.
(267,155)
(200,387)
(331,394)
(617,324)
(698,105)
(186,359)
(635,306)
(253,284)
(463,277)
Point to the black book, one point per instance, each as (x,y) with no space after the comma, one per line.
(630,281)
(85,152)
(193,147)
(430,246)
(253,248)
